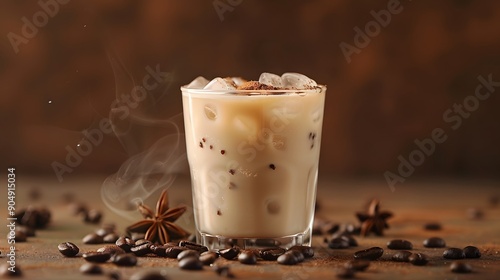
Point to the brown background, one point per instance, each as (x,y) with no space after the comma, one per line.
(394,91)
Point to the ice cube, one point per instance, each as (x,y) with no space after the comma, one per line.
(238,81)
(220,84)
(297,81)
(270,79)
(198,83)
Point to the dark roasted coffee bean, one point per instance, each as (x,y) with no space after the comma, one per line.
(357,265)
(475,213)
(329,228)
(137,236)
(90,268)
(125,243)
(432,226)
(28,231)
(208,258)
(372,253)
(454,253)
(460,267)
(418,259)
(188,253)
(338,243)
(159,250)
(247,257)
(434,242)
(472,252)
(288,258)
(352,229)
(190,263)
(114,275)
(96,257)
(106,229)
(92,238)
(111,249)
(68,249)
(173,252)
(345,273)
(399,244)
(6,273)
(298,255)
(307,251)
(110,238)
(143,241)
(149,275)
(141,250)
(271,254)
(229,253)
(92,216)
(20,236)
(223,271)
(193,246)
(127,259)
(401,256)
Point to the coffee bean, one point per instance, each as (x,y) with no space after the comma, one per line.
(173,252)
(345,273)
(114,275)
(271,254)
(338,243)
(141,250)
(148,275)
(92,216)
(454,253)
(247,257)
(191,263)
(111,249)
(110,237)
(307,251)
(106,229)
(193,246)
(401,256)
(475,213)
(159,250)
(20,236)
(137,236)
(90,268)
(6,273)
(208,258)
(399,244)
(28,231)
(229,253)
(68,249)
(188,253)
(125,243)
(223,271)
(418,259)
(142,241)
(434,242)
(357,265)
(460,267)
(127,259)
(432,226)
(96,257)
(92,238)
(472,252)
(369,254)
(288,258)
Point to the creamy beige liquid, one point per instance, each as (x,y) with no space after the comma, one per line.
(254,162)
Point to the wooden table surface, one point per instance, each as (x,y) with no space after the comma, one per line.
(413,204)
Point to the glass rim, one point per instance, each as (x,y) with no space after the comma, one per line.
(252,92)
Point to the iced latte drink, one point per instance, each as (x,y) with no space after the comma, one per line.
(253,150)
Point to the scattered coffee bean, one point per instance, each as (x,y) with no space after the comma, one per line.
(96,257)
(418,259)
(454,253)
(472,252)
(114,275)
(149,275)
(432,226)
(399,244)
(460,267)
(229,253)
(159,250)
(106,229)
(125,243)
(193,246)
(191,263)
(110,238)
(188,253)
(111,249)
(6,273)
(208,258)
(247,257)
(271,254)
(90,268)
(68,249)
(369,254)
(434,242)
(28,231)
(173,252)
(345,273)
(357,265)
(20,236)
(288,258)
(92,216)
(141,250)
(307,251)
(127,259)
(475,213)
(92,238)
(223,271)
(137,236)
(142,241)
(338,243)
(34,217)
(494,200)
(401,256)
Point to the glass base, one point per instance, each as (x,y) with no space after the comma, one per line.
(221,242)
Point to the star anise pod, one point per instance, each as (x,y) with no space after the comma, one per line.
(374,220)
(159,226)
